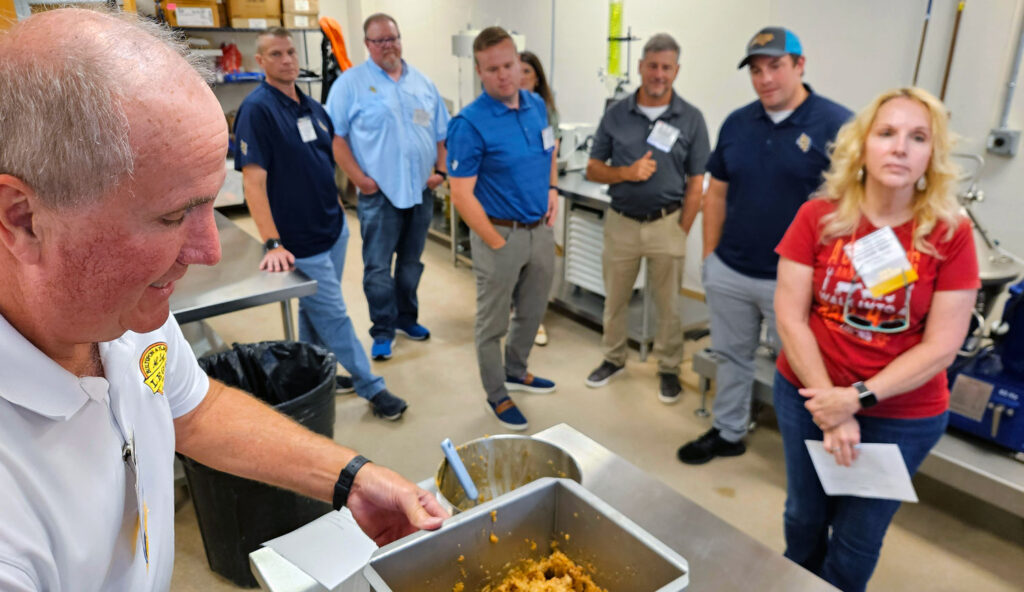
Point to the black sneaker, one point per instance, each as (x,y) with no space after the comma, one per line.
(603,373)
(387,406)
(343,384)
(670,389)
(708,447)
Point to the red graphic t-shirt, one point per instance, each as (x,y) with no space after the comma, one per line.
(853,354)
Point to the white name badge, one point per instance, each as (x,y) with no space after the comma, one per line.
(306,131)
(547,136)
(881,262)
(421,117)
(663,136)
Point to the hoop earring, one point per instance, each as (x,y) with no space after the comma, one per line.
(860,175)
(921,184)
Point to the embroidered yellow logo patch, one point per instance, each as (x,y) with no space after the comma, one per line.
(762,39)
(152,364)
(804,142)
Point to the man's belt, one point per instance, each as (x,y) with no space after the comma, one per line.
(513,224)
(653,215)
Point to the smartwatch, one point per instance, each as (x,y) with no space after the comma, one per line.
(344,485)
(271,244)
(867,398)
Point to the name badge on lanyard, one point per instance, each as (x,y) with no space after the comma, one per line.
(306,131)
(663,136)
(881,262)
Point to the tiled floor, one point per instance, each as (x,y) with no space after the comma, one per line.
(947,542)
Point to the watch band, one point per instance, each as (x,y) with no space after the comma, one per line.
(344,485)
(444,175)
(271,244)
(866,396)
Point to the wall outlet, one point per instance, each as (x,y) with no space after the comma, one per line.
(1003,141)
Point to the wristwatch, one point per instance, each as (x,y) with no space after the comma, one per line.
(344,485)
(271,244)
(444,175)
(867,398)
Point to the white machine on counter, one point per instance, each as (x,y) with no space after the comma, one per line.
(574,150)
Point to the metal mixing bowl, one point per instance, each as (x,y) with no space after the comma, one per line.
(499,464)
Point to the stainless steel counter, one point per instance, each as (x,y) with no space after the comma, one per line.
(721,558)
(236,282)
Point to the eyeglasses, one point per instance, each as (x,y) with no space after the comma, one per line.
(385,41)
(890,326)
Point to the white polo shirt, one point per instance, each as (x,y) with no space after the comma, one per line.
(69,513)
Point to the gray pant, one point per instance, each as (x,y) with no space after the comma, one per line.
(517,277)
(737,304)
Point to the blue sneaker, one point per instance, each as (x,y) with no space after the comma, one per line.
(508,414)
(416,332)
(529,383)
(381,349)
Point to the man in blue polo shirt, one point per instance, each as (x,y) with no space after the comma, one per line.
(390,124)
(503,176)
(769,159)
(284,153)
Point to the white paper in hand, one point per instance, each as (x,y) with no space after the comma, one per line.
(878,472)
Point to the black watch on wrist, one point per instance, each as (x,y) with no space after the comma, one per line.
(344,485)
(444,175)
(867,398)
(271,244)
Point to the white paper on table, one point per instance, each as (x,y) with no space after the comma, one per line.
(878,472)
(330,549)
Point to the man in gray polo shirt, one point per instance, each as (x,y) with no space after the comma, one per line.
(651,149)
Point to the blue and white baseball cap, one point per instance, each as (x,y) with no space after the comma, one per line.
(772,41)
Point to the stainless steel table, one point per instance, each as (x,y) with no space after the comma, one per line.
(236,282)
(721,558)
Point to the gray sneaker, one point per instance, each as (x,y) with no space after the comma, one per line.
(603,373)
(670,389)
(388,406)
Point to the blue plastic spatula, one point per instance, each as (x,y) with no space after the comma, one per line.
(460,469)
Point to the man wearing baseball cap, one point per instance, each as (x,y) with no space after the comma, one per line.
(770,157)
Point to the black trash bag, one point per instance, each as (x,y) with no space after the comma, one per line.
(237,515)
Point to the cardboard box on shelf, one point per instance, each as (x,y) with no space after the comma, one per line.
(255,23)
(193,13)
(310,7)
(301,21)
(254,9)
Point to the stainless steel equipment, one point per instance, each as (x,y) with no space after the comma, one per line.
(617,553)
(499,464)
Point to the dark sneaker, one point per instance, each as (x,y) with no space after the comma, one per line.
(670,389)
(343,384)
(530,384)
(381,349)
(605,372)
(416,332)
(708,447)
(387,406)
(508,414)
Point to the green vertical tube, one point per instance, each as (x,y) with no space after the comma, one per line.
(614,30)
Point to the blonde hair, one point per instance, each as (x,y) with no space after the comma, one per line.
(844,180)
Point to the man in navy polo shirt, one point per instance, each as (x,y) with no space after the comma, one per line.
(502,171)
(769,159)
(284,153)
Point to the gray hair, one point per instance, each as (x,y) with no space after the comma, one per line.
(279,32)
(64,130)
(661,42)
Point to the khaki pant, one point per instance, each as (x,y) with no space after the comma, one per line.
(663,243)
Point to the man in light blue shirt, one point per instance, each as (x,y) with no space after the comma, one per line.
(390,125)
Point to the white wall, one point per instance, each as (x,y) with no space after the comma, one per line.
(854,50)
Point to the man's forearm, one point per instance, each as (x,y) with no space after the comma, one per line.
(713,211)
(259,206)
(599,172)
(346,160)
(442,157)
(692,201)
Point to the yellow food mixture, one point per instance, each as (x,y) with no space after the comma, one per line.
(554,573)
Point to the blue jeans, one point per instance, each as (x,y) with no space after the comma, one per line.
(324,321)
(390,234)
(839,538)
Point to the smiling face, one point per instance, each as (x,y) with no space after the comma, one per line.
(658,70)
(898,147)
(499,70)
(777,81)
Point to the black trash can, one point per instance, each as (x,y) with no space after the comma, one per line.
(236,515)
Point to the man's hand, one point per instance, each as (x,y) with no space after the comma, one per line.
(831,406)
(279,259)
(552,206)
(366,185)
(433,181)
(841,440)
(388,507)
(642,169)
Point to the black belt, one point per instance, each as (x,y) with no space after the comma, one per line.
(513,224)
(652,216)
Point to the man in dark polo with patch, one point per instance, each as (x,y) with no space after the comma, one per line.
(770,157)
(650,149)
